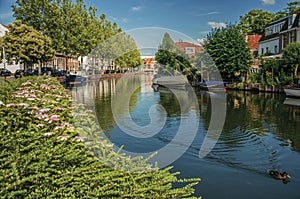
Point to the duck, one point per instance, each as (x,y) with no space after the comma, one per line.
(278,175)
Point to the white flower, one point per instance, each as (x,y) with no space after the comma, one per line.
(48,134)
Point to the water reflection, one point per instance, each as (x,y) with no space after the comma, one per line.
(261,132)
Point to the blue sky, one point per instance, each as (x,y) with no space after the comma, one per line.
(193,18)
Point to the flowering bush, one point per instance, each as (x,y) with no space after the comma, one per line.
(44,153)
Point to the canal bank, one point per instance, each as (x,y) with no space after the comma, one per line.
(255,87)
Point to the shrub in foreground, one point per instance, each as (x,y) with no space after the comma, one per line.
(44,153)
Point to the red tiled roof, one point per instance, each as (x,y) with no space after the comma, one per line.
(253,41)
(149,60)
(183,45)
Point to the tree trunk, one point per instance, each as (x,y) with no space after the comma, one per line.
(296,71)
(39,68)
(67,67)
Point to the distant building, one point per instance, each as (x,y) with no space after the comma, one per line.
(149,64)
(189,48)
(3,30)
(252,41)
(59,61)
(279,34)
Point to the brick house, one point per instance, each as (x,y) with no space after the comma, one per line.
(59,62)
(189,48)
(279,34)
(252,41)
(290,31)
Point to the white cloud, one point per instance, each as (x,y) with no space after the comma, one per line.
(217,25)
(206,14)
(268,2)
(136,8)
(6,15)
(125,20)
(113,18)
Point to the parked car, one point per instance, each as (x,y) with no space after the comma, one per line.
(89,72)
(4,72)
(19,73)
(96,71)
(29,72)
(63,72)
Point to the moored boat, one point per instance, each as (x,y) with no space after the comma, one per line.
(212,85)
(75,79)
(292,91)
(170,81)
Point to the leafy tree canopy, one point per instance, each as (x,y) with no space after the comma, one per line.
(170,56)
(291,56)
(25,44)
(229,50)
(255,21)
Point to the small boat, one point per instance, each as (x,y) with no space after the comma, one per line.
(292,91)
(212,85)
(170,81)
(292,101)
(75,80)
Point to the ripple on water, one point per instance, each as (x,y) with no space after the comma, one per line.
(254,150)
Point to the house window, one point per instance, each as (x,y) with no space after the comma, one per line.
(290,20)
(277,28)
(275,49)
(292,36)
(267,49)
(262,51)
(189,50)
(269,31)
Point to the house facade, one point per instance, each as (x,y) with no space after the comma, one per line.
(252,41)
(279,34)
(3,30)
(60,62)
(189,48)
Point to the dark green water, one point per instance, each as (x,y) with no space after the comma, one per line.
(261,132)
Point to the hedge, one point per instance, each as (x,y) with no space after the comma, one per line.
(50,148)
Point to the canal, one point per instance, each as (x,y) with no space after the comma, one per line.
(261,132)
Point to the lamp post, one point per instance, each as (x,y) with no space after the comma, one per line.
(4,60)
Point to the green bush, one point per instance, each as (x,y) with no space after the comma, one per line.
(44,153)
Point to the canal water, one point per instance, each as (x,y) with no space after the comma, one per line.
(261,132)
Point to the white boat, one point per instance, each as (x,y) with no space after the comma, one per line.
(292,101)
(292,91)
(170,81)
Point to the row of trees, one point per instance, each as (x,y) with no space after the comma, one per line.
(227,51)
(66,26)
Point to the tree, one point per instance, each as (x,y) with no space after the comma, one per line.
(229,50)
(255,21)
(127,53)
(291,56)
(24,43)
(75,29)
(170,56)
(292,7)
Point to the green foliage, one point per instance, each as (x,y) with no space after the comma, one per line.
(25,44)
(288,10)
(229,51)
(272,73)
(170,56)
(44,153)
(255,21)
(74,29)
(291,57)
